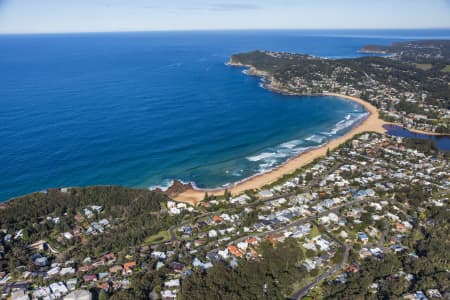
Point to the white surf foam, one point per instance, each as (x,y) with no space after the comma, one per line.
(261,156)
(315,138)
(291,144)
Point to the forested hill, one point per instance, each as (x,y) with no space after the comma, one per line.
(115,201)
(117,217)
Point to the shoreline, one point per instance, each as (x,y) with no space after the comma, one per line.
(189,193)
(371,123)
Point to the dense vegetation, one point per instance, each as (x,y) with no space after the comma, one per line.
(271,277)
(134,214)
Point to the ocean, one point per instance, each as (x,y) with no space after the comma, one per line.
(142,109)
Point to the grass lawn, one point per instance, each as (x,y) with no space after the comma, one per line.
(314,232)
(424,67)
(446,69)
(160,237)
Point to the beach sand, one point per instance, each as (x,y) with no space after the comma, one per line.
(370,123)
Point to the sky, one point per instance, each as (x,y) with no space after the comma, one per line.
(54,16)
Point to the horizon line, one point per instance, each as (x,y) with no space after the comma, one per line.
(218,30)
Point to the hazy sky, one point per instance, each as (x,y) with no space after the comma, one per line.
(24,16)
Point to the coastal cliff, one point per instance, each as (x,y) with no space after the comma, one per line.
(268,80)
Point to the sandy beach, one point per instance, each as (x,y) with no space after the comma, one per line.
(370,123)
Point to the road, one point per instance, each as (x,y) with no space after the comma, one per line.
(305,290)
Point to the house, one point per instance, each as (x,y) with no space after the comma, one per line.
(85,268)
(89,278)
(217,219)
(265,194)
(172,283)
(235,251)
(333,217)
(434,294)
(275,238)
(174,211)
(240,199)
(176,266)
(309,246)
(398,248)
(71,283)
(19,294)
(158,255)
(376,252)
(323,244)
(40,261)
(128,267)
(42,292)
(103,275)
(352,269)
(53,271)
(115,269)
(364,253)
(198,243)
(59,289)
(400,227)
(198,264)
(363,237)
(109,258)
(212,233)
(79,295)
(68,235)
(418,295)
(224,253)
(252,241)
(309,265)
(242,246)
(169,295)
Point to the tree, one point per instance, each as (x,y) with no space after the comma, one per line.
(103,295)
(227,195)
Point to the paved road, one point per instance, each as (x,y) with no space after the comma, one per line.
(305,290)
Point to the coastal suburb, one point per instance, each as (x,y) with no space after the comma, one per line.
(364,216)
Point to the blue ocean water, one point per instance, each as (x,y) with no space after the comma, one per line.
(140,109)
